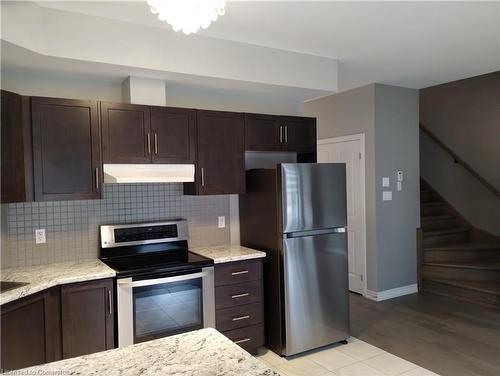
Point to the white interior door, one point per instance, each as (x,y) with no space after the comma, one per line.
(348,150)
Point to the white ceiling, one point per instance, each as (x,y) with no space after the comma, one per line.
(411,44)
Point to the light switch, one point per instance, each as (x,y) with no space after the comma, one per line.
(222,221)
(399,186)
(40,236)
(386,195)
(386,181)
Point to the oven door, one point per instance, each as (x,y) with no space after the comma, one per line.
(160,307)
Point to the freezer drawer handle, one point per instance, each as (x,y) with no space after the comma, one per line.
(242,340)
(241,318)
(240,272)
(240,295)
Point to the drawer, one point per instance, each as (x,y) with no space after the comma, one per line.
(238,272)
(238,317)
(249,338)
(239,294)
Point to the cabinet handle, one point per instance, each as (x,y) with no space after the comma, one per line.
(241,318)
(281,134)
(110,302)
(240,295)
(97,178)
(286,134)
(202,177)
(242,340)
(156,143)
(149,143)
(240,272)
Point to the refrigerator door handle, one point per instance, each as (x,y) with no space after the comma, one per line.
(299,234)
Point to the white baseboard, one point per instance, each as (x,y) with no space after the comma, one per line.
(392,293)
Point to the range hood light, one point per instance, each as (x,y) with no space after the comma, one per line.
(148,173)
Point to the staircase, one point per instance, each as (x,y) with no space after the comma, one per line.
(456,259)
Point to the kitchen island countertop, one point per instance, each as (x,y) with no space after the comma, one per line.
(204,352)
(228,253)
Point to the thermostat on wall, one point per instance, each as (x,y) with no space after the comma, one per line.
(399,176)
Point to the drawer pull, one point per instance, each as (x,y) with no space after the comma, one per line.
(240,272)
(239,295)
(242,340)
(241,318)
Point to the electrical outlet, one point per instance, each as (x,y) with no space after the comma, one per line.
(40,236)
(222,221)
(385,182)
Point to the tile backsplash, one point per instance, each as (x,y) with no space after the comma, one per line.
(72,226)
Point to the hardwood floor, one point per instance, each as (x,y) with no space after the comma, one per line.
(444,335)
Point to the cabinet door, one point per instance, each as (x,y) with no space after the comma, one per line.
(126,133)
(16,158)
(31,331)
(87,317)
(221,161)
(174,135)
(66,149)
(299,134)
(262,133)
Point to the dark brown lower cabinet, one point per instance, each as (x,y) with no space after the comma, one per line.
(31,330)
(239,303)
(87,317)
(58,323)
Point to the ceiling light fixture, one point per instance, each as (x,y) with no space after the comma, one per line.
(188,15)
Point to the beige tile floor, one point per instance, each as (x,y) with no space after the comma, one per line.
(357,358)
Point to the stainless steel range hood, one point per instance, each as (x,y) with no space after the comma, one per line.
(148,173)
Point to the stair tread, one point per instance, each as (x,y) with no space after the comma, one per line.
(432,203)
(488,287)
(437,217)
(469,246)
(466,264)
(445,231)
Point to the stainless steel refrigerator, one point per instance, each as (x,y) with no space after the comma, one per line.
(297,214)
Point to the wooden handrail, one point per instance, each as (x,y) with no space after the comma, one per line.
(460,161)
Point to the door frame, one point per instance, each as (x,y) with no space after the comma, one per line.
(361,138)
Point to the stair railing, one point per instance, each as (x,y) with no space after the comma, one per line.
(461,162)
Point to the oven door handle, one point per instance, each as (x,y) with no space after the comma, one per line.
(150,282)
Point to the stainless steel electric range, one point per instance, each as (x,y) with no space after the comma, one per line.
(162,288)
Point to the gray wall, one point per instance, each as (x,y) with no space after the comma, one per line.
(465,115)
(76,86)
(463,191)
(343,114)
(388,116)
(396,148)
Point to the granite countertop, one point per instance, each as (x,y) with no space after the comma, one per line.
(202,352)
(41,277)
(228,253)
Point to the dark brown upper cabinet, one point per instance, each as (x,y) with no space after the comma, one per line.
(66,149)
(173,135)
(220,167)
(262,133)
(87,311)
(280,133)
(16,153)
(299,134)
(126,133)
